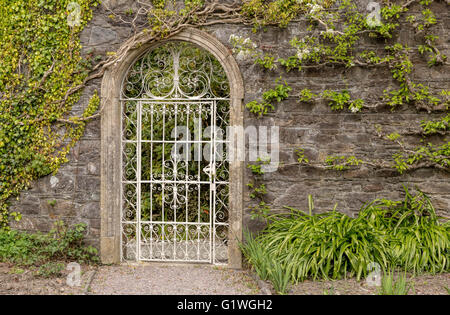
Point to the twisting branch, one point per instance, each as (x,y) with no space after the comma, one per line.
(212,13)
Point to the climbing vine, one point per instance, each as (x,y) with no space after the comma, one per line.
(42,72)
(40,62)
(333,39)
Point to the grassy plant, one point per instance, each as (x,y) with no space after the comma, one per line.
(395,234)
(418,240)
(391,286)
(265,267)
(329,291)
(323,246)
(256,256)
(280,276)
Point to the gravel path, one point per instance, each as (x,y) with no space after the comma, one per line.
(421,285)
(185,280)
(171,280)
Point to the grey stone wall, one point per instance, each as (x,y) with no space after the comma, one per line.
(313,127)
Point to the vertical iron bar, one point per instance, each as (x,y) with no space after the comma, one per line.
(187,148)
(200,158)
(152,111)
(213,167)
(175,179)
(139,187)
(122,141)
(211,180)
(163,179)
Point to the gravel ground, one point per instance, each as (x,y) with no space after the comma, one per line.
(172,280)
(20,281)
(421,285)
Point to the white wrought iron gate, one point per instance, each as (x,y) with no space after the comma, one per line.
(175,188)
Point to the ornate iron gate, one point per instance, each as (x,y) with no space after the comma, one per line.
(175,174)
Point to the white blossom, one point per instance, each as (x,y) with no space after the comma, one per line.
(314,8)
(243,47)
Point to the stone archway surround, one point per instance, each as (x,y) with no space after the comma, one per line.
(110,204)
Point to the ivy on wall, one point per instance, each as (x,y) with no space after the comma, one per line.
(42,72)
(40,64)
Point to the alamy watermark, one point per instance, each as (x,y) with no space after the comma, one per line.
(216,145)
(374,277)
(74,278)
(374,17)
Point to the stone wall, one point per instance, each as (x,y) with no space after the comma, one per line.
(74,193)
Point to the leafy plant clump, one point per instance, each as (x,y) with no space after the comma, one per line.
(394,234)
(47,251)
(50,269)
(266,268)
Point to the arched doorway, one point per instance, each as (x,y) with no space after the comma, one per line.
(179,197)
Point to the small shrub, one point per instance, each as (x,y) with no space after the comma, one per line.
(50,269)
(61,244)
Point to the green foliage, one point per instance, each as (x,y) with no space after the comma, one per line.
(260,212)
(280,276)
(245,47)
(306,95)
(40,68)
(267,62)
(61,244)
(330,291)
(301,158)
(257,191)
(278,12)
(341,100)
(428,48)
(419,240)
(278,94)
(395,234)
(259,109)
(256,256)
(50,269)
(257,169)
(51,203)
(337,46)
(429,155)
(342,163)
(265,267)
(437,126)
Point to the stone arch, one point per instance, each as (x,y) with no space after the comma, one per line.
(110,206)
